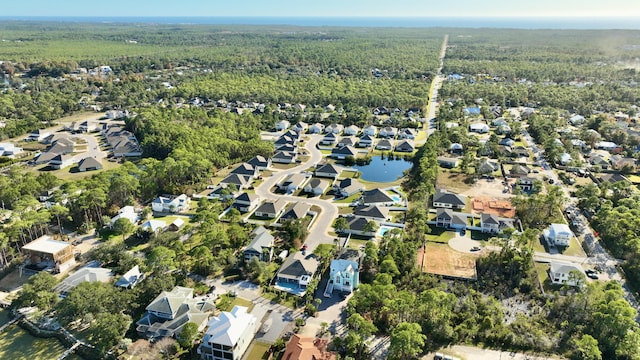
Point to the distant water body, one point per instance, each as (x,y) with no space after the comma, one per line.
(412,22)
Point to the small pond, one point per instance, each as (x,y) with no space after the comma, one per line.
(383,170)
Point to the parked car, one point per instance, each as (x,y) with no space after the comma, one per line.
(475,248)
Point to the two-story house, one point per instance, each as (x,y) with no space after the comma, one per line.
(228,335)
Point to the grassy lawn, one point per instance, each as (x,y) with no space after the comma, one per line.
(345,210)
(227,302)
(17,344)
(443,260)
(356,243)
(380,185)
(277,297)
(350,199)
(71,173)
(452,181)
(258,351)
(171,218)
(479,235)
(543,274)
(349,174)
(574,248)
(440,235)
(283,166)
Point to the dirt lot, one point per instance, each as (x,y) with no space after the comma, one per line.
(443,260)
(499,207)
(487,188)
(452,181)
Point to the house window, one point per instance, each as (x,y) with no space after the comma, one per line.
(347,283)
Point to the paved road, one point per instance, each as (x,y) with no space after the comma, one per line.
(435,86)
(319,232)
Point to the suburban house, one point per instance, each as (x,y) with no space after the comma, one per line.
(131,278)
(285,140)
(620,163)
(171,204)
(525,183)
(487,166)
(223,191)
(292,183)
(471,111)
(449,200)
(334,128)
(61,161)
(89,164)
(37,135)
(372,212)
(85,274)
(605,145)
(316,186)
(405,146)
(566,273)
(327,171)
(296,211)
(344,272)
(45,253)
(260,162)
(366,141)
(300,127)
(261,246)
(577,120)
(316,128)
(480,128)
(558,234)
(239,181)
(381,110)
(518,171)
(377,196)
(128,212)
(44,158)
(296,273)
(176,224)
(330,139)
(407,133)
(490,223)
(507,142)
(343,152)
(63,146)
(307,347)
(167,314)
(282,125)
(287,147)
(9,150)
(347,141)
(351,130)
(246,202)
(384,144)
(246,169)
(388,132)
(599,160)
(154,226)
(370,130)
(456,148)
(228,335)
(271,209)
(284,157)
(348,187)
(448,218)
(448,162)
(358,225)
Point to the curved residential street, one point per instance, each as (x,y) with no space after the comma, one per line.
(319,232)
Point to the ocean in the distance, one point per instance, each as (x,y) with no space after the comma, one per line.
(424,22)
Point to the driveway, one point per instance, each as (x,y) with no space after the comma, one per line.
(463,243)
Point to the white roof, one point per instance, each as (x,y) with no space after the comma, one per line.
(154,225)
(226,328)
(565,267)
(555,229)
(46,244)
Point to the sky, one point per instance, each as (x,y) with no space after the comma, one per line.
(321,8)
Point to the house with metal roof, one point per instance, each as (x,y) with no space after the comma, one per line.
(228,335)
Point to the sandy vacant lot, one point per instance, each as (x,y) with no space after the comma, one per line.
(442,260)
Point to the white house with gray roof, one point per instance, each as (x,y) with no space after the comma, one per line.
(228,335)
(261,246)
(448,200)
(296,273)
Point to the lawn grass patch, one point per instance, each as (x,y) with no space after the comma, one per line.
(226,302)
(258,351)
(17,344)
(440,235)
